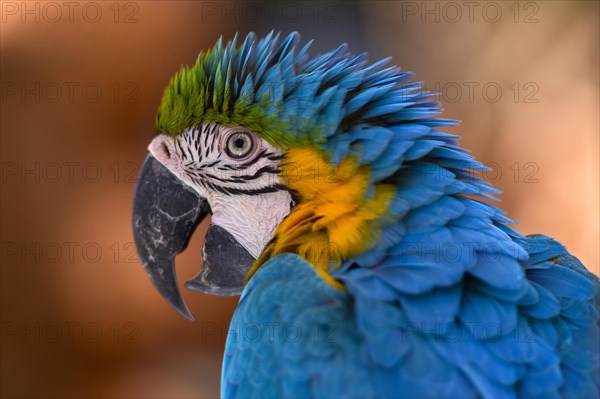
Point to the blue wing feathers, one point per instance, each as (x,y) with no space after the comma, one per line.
(439,307)
(465,337)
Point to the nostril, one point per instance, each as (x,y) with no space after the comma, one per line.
(162,148)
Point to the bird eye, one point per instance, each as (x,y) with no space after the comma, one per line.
(239,145)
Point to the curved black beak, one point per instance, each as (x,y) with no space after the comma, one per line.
(165,214)
(225,264)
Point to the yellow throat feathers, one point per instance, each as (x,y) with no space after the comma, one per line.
(333,219)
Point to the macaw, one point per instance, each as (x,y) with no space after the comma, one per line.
(369,263)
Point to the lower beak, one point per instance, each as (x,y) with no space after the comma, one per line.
(225,264)
(166,212)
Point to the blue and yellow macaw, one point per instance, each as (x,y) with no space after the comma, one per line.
(355,230)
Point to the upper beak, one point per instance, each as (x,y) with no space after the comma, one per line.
(166,212)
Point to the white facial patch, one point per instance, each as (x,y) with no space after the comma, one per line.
(236,171)
(252,220)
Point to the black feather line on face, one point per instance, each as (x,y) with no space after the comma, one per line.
(188,140)
(244,178)
(209,133)
(197,134)
(251,162)
(238,191)
(196,179)
(221,179)
(206,133)
(263,154)
(206,151)
(210,165)
(180,150)
(270,169)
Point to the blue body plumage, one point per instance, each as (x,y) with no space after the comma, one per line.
(482,334)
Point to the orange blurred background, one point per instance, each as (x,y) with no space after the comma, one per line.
(81,82)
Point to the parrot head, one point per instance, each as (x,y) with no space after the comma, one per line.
(229,172)
(288,153)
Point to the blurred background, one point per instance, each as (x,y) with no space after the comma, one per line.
(81,82)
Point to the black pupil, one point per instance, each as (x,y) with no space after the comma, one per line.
(239,142)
